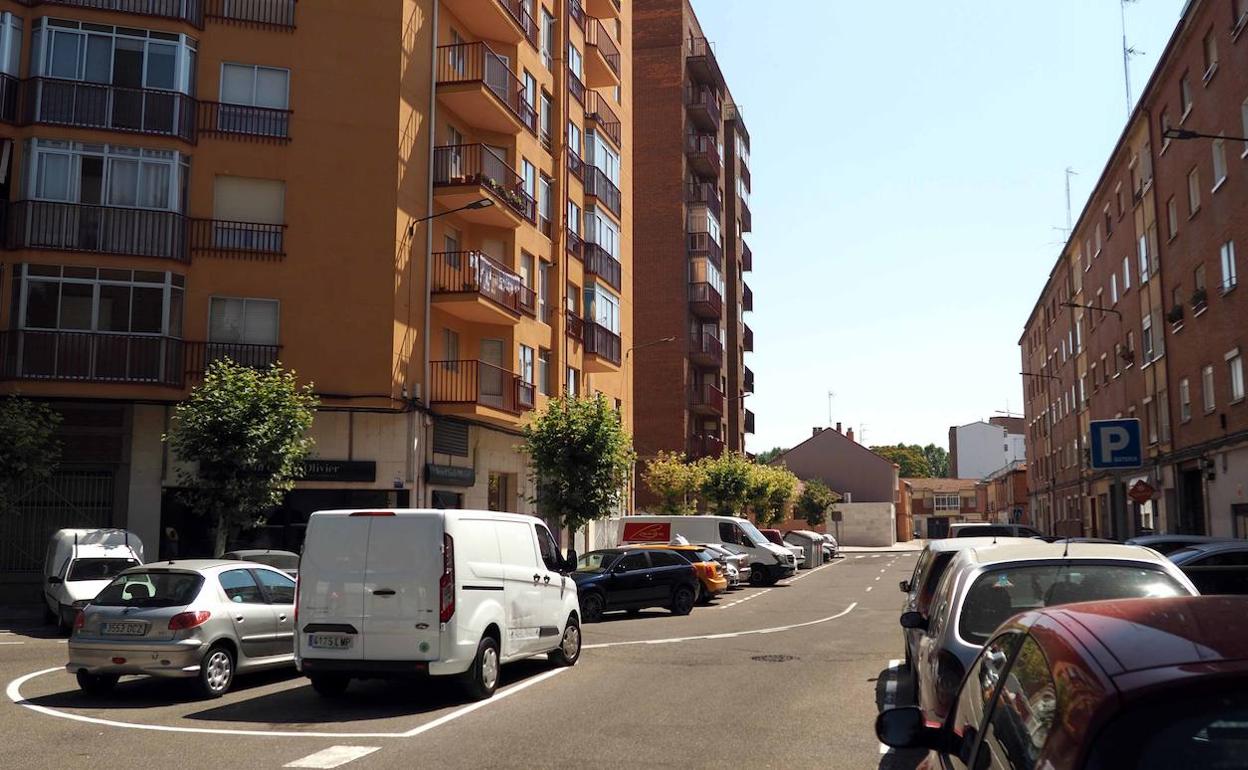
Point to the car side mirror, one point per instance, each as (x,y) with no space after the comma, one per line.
(913,620)
(904,586)
(906,728)
(569,563)
(55,580)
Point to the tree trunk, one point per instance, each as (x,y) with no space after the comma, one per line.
(221,535)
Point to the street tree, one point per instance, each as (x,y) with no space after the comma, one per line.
(29,450)
(242,434)
(581,459)
(674,481)
(726,483)
(937,460)
(765,457)
(815,501)
(782,490)
(910,459)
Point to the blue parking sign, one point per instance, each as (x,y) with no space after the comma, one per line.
(1116,444)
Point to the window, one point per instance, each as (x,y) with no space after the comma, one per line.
(1145,266)
(10,44)
(1113,288)
(240,587)
(574,218)
(1235,367)
(572,382)
(600,155)
(529,173)
(1014,734)
(548,37)
(1206,386)
(543,372)
(1185,96)
(546,118)
(1109,222)
(243,320)
(1150,418)
(1229,275)
(1126,274)
(602,307)
(499,499)
(1240,10)
(574,138)
(248,213)
(250,85)
(1164,120)
(635,561)
(547,548)
(1098,240)
(1210,48)
(1131,347)
(450,344)
(1104,368)
(526,364)
(1172,216)
(976,697)
(702,270)
(543,204)
(946,502)
(1219,163)
(126,177)
(1199,293)
(543,291)
(575,62)
(104,300)
(120,56)
(1193,191)
(1185,400)
(281,589)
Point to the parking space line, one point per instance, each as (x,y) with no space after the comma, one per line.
(12,643)
(861,557)
(731,635)
(870,587)
(890,694)
(333,756)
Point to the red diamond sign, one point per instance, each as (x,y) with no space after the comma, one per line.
(1141,492)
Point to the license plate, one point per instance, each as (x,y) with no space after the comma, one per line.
(330,641)
(125,629)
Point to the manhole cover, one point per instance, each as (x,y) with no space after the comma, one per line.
(774,658)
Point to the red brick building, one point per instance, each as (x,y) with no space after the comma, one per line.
(1141,317)
(1006,493)
(934,504)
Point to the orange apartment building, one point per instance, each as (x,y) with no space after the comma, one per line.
(272,180)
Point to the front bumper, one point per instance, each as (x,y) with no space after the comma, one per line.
(780,571)
(167,659)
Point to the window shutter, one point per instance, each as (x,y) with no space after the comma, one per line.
(450,438)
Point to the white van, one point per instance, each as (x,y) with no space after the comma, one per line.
(393,593)
(79,564)
(768,561)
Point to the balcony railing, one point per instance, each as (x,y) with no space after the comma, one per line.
(702,103)
(705,445)
(702,63)
(264,13)
(91,357)
(472,272)
(747,256)
(600,263)
(577,11)
(706,397)
(477,63)
(706,194)
(200,354)
(597,110)
(705,300)
(10,93)
(189,11)
(703,245)
(476,164)
(599,185)
(238,240)
(747,338)
(576,87)
(476,382)
(747,298)
(748,386)
(524,20)
(706,350)
(576,326)
(743,214)
(596,36)
(576,245)
(749,422)
(56,102)
(241,120)
(52,225)
(702,151)
(601,341)
(576,166)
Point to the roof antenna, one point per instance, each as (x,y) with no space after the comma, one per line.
(1066,550)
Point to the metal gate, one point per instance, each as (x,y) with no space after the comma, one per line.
(78,499)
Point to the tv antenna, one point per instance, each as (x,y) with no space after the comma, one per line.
(831,396)
(1127,53)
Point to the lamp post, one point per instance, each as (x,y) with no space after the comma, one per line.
(1183,134)
(480,203)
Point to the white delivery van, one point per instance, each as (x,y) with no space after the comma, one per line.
(80,563)
(394,593)
(768,562)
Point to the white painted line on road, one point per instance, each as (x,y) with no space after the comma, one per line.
(890,694)
(875,556)
(877,577)
(861,557)
(743,599)
(12,643)
(732,635)
(333,756)
(466,710)
(870,587)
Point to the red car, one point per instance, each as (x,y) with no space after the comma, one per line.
(1151,684)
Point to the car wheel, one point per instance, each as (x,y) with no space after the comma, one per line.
(569,650)
(592,605)
(330,685)
(682,601)
(482,679)
(97,684)
(758,576)
(216,672)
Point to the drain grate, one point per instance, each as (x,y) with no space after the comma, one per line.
(774,658)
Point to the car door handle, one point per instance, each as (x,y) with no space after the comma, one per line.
(281,618)
(238,618)
(384,592)
(649,576)
(536,578)
(546,579)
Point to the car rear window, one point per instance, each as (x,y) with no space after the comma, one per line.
(151,589)
(99,569)
(282,561)
(1209,730)
(983,532)
(1000,594)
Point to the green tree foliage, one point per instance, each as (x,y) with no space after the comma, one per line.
(765,458)
(243,432)
(726,483)
(937,460)
(911,459)
(782,489)
(675,482)
(815,501)
(581,460)
(29,451)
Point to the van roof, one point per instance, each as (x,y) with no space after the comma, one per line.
(676,516)
(453,513)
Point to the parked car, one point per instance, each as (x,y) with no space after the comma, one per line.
(777,538)
(710,574)
(634,579)
(286,561)
(983,587)
(831,548)
(988,529)
(1216,568)
(743,562)
(1147,684)
(1168,544)
(402,593)
(79,564)
(732,562)
(768,561)
(207,619)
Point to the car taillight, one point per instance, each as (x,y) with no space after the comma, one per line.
(446,584)
(80,620)
(185,620)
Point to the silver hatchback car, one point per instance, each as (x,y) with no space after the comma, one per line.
(206,619)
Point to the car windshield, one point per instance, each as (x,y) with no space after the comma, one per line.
(151,589)
(752,533)
(596,561)
(1000,594)
(99,569)
(698,555)
(734,548)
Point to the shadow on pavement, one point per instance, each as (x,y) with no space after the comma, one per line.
(32,630)
(901,695)
(615,617)
(148,692)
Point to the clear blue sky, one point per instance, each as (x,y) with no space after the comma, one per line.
(908,170)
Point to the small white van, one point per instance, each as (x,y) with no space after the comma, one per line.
(79,564)
(768,561)
(394,593)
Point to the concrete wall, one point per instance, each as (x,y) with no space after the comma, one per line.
(146,462)
(984,448)
(865,524)
(1229,488)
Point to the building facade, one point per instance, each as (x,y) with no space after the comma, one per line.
(1006,495)
(690,251)
(1141,317)
(979,448)
(935,504)
(421,207)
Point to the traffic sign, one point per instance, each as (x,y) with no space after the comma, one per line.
(1141,492)
(1116,444)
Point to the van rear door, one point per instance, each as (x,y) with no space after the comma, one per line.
(331,587)
(401,588)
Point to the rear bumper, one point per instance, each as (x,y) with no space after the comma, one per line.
(167,659)
(381,669)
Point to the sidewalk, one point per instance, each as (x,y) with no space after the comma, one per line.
(907,547)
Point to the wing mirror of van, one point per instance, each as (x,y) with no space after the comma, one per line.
(907,728)
(569,563)
(55,580)
(913,620)
(904,586)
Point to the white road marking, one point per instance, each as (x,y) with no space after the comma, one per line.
(875,556)
(884,570)
(333,756)
(14,692)
(861,557)
(743,599)
(732,635)
(877,577)
(890,694)
(12,643)
(870,587)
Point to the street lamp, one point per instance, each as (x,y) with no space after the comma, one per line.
(1093,307)
(480,203)
(1183,134)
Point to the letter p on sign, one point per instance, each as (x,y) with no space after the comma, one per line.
(1113,441)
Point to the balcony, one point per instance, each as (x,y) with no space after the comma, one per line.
(702,152)
(702,104)
(577,12)
(602,56)
(262,13)
(702,63)
(237,240)
(91,357)
(576,166)
(599,186)
(600,263)
(747,256)
(478,389)
(471,286)
(188,11)
(603,344)
(749,422)
(706,399)
(54,102)
(576,87)
(747,338)
(705,445)
(479,86)
(200,354)
(705,194)
(242,121)
(603,9)
(462,172)
(705,301)
(56,226)
(703,245)
(743,213)
(10,89)
(576,326)
(507,21)
(599,112)
(747,298)
(575,245)
(705,350)
(748,386)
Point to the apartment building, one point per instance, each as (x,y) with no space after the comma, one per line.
(690,246)
(935,504)
(979,448)
(422,207)
(1141,318)
(1006,494)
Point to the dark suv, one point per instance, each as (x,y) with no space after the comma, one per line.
(633,579)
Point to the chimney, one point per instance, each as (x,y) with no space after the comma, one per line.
(849,434)
(838,427)
(815,431)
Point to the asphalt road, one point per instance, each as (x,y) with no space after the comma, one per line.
(790,676)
